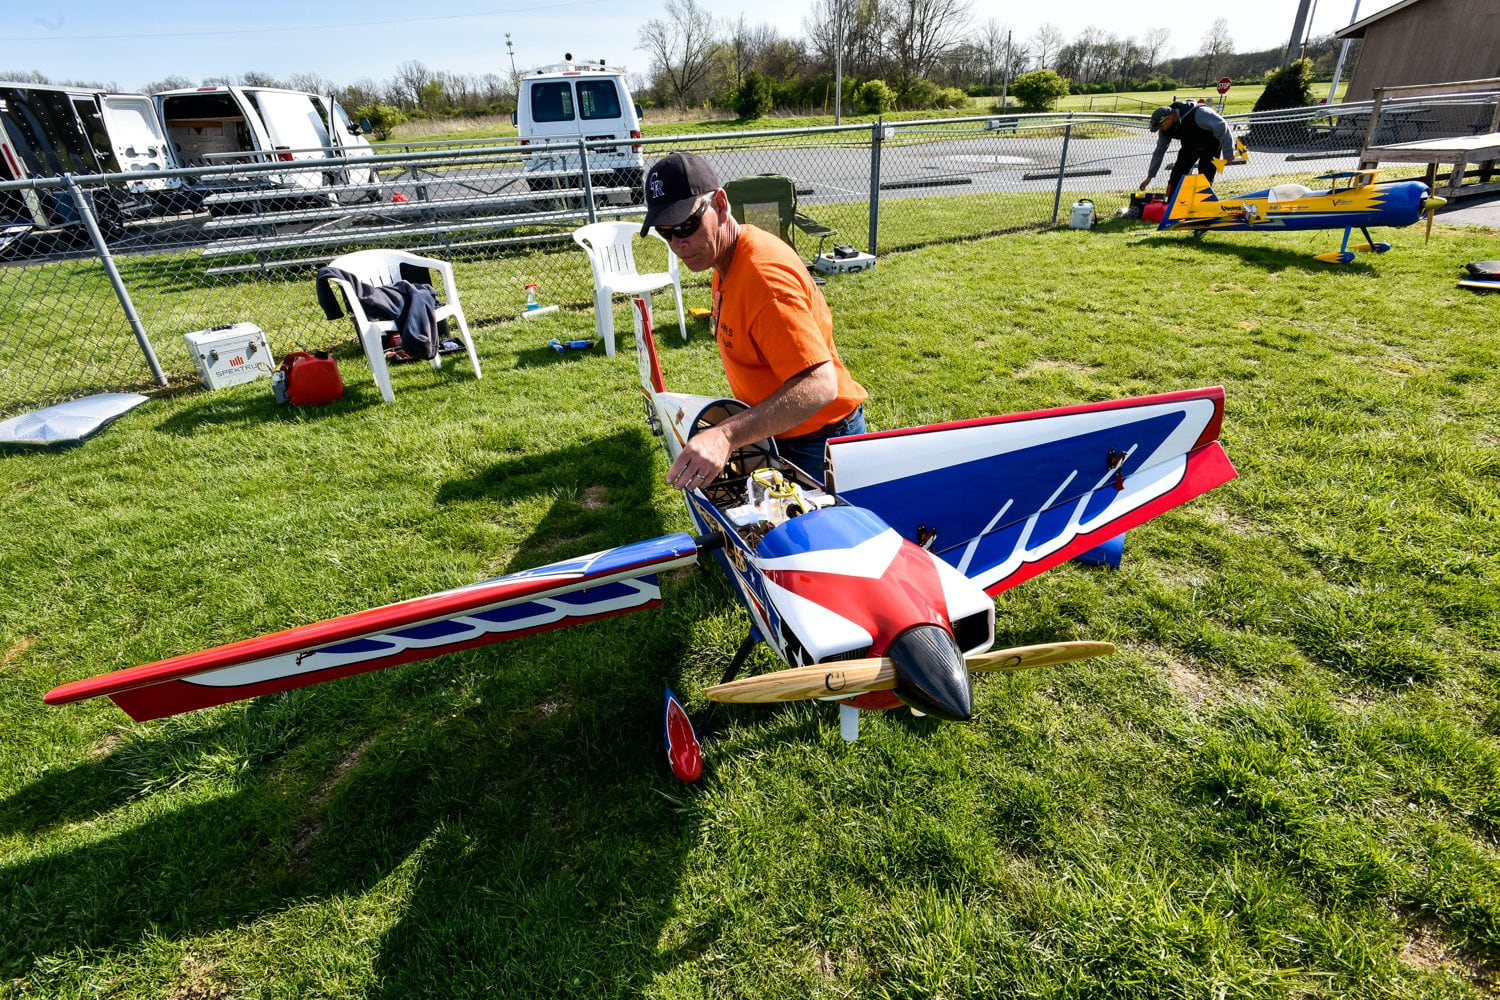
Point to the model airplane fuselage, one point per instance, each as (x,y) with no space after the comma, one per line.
(1353,200)
(875,590)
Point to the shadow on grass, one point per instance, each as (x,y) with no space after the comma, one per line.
(1267,257)
(510,802)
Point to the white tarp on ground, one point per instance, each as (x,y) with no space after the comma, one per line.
(68,422)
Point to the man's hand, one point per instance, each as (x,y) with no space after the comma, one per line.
(701,460)
(1144,184)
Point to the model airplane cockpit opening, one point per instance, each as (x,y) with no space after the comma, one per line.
(874,586)
(1354,199)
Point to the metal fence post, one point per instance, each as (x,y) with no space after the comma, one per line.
(588,181)
(877,135)
(1062,167)
(86,213)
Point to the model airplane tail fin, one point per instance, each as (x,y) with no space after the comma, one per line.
(601,585)
(1192,191)
(1004,498)
(645,346)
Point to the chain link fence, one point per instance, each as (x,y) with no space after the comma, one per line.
(99,282)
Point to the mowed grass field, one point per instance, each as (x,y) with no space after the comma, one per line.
(1286,783)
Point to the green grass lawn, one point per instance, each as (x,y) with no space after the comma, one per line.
(1286,783)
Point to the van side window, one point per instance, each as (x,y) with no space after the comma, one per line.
(598,99)
(552,102)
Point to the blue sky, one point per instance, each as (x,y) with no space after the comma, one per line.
(128,45)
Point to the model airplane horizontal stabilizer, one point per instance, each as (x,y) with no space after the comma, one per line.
(847,678)
(1004,498)
(601,585)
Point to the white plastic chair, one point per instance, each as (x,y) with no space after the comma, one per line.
(612,257)
(383,267)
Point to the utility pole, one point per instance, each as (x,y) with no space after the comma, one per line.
(838,62)
(1005,75)
(509,48)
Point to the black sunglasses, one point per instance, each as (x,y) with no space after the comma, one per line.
(686,227)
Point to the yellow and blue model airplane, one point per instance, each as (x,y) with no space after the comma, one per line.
(1353,200)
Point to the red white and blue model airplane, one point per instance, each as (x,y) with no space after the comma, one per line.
(1353,200)
(874,587)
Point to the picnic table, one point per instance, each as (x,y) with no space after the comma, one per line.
(1456,151)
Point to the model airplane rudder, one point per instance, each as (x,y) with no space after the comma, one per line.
(1192,191)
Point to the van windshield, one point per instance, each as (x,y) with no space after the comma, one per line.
(552,102)
(598,99)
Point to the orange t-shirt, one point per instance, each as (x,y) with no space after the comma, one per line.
(772,323)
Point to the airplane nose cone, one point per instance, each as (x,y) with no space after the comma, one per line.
(930,673)
(1433,203)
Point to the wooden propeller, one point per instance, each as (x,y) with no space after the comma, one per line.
(847,678)
(1432,205)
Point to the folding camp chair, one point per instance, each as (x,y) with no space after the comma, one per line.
(769,202)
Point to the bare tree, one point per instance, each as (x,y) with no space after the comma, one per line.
(406,86)
(1155,47)
(681,47)
(1218,45)
(311,83)
(994,40)
(859,23)
(918,33)
(169,83)
(1045,44)
(257,79)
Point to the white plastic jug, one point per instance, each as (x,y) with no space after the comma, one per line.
(1083,214)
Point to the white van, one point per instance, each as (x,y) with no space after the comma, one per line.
(213,126)
(562,103)
(47,131)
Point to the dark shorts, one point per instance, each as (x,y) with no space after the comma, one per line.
(806,450)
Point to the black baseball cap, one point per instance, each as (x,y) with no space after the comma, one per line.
(673,186)
(1160,115)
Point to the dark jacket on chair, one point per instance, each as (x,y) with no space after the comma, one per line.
(412,306)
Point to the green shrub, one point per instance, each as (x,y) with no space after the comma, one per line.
(383,119)
(753,97)
(952,97)
(875,98)
(1287,87)
(1039,90)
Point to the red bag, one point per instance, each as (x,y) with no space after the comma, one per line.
(311,379)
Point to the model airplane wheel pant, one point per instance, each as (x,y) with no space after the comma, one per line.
(881,582)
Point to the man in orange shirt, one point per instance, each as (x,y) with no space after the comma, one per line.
(774,329)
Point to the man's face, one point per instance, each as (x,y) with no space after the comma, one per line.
(704,245)
(1170,122)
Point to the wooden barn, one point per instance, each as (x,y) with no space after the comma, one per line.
(1425,41)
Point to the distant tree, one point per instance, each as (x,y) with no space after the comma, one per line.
(681,47)
(1218,45)
(406,86)
(311,83)
(918,32)
(1045,44)
(994,38)
(1154,48)
(168,83)
(1039,90)
(254,78)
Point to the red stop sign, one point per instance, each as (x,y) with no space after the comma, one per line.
(1224,85)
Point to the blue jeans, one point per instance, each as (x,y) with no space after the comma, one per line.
(806,451)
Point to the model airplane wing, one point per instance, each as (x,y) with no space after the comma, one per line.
(554,596)
(1004,498)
